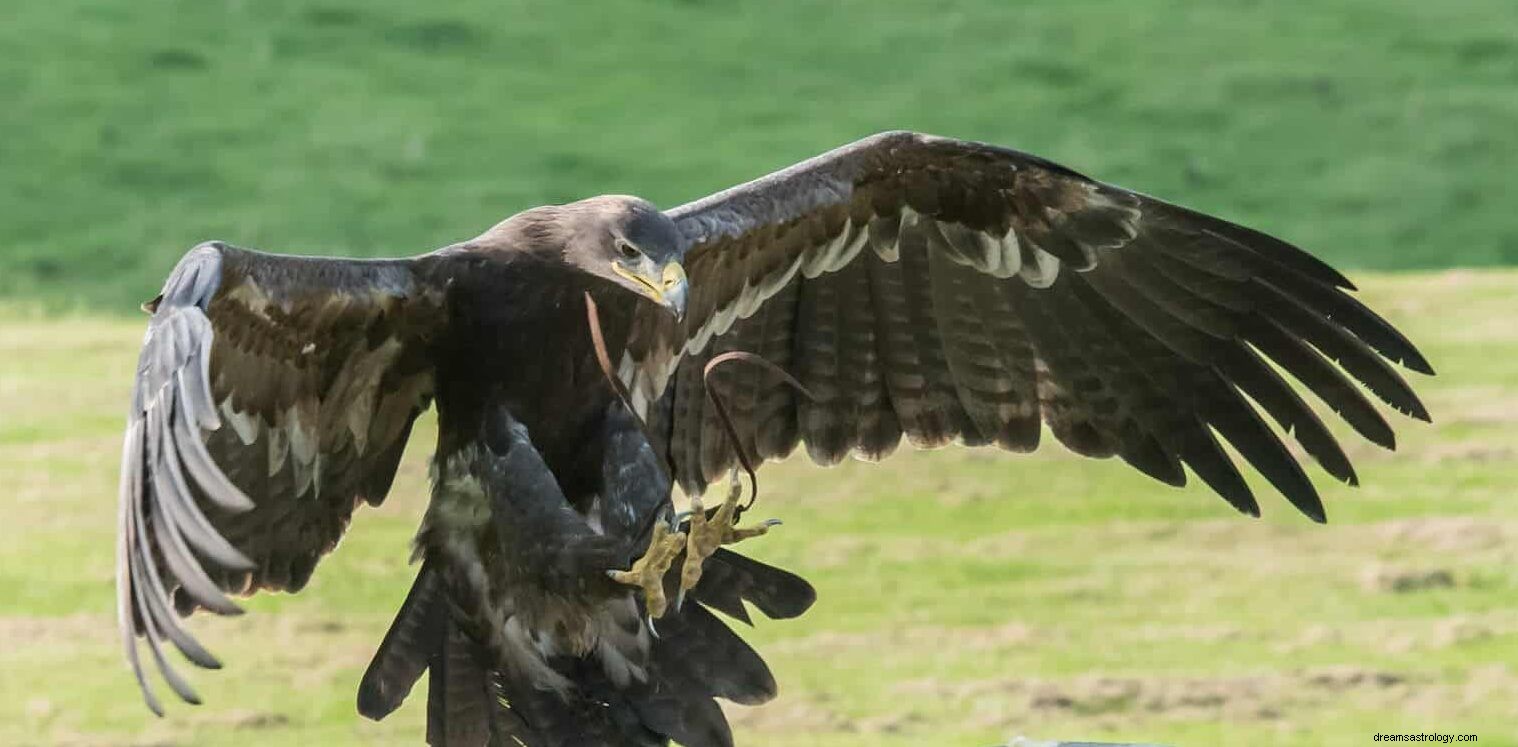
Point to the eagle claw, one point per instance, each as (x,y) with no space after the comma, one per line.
(706,534)
(647,572)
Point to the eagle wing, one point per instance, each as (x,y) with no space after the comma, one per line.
(954,291)
(273,395)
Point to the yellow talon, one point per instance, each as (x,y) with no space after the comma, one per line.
(708,534)
(647,572)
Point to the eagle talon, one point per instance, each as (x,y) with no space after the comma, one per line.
(706,534)
(647,572)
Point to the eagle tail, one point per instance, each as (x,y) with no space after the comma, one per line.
(464,701)
(417,635)
(695,659)
(463,698)
(729,579)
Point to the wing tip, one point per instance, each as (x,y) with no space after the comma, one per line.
(1311,506)
(372,702)
(1411,358)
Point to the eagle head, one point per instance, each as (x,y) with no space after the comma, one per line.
(623,240)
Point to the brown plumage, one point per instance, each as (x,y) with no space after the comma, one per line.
(920,288)
(954,291)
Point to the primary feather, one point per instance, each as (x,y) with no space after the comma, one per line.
(945,290)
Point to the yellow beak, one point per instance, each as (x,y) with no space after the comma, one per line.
(668,288)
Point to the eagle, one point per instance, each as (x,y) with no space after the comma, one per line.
(903,287)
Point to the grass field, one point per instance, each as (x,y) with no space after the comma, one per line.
(1382,133)
(965,597)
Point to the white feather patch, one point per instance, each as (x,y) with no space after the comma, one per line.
(1042,271)
(279,448)
(245,425)
(748,301)
(303,450)
(836,254)
(971,248)
(885,235)
(641,388)
(827,258)
(1009,257)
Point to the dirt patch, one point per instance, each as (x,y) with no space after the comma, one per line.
(962,639)
(1467,452)
(1476,406)
(1194,633)
(1406,580)
(241,719)
(1131,697)
(1008,703)
(22,631)
(1448,633)
(1344,678)
(1403,636)
(847,550)
(891,723)
(67,738)
(1445,533)
(815,717)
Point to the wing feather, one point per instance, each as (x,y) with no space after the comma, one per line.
(774,416)
(972,369)
(273,393)
(1243,367)
(827,421)
(949,290)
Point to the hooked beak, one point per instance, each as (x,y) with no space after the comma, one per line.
(666,288)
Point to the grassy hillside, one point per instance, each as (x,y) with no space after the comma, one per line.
(1381,133)
(965,597)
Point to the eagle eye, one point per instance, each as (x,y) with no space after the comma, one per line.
(628,251)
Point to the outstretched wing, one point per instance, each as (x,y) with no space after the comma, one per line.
(273,395)
(948,290)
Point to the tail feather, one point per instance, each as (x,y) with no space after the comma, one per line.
(696,659)
(596,713)
(464,705)
(728,579)
(705,657)
(687,718)
(416,635)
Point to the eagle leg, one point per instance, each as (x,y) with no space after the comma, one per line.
(707,533)
(647,572)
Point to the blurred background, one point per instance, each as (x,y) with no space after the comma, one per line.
(966,597)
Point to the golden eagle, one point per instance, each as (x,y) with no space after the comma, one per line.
(914,286)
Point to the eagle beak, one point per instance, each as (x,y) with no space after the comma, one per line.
(667,288)
(675,286)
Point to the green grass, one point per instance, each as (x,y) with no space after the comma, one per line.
(965,597)
(1381,133)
